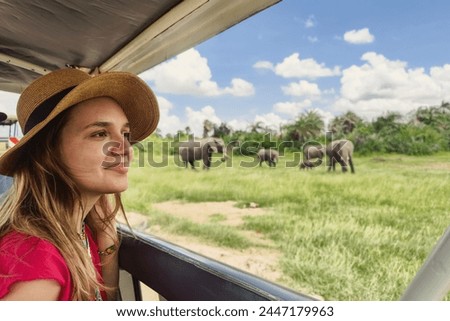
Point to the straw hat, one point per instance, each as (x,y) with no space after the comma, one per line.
(51,94)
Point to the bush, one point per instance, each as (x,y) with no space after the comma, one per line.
(414,140)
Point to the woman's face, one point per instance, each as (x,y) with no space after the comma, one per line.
(95,147)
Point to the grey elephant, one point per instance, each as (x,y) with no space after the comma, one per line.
(268,155)
(312,152)
(203,149)
(340,151)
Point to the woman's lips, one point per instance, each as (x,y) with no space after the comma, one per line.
(121,167)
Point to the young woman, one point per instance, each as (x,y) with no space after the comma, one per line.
(58,238)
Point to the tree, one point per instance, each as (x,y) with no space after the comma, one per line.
(307,126)
(256,127)
(434,116)
(389,123)
(222,130)
(345,124)
(158,132)
(207,127)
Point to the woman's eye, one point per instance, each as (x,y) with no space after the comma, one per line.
(99,134)
(127,136)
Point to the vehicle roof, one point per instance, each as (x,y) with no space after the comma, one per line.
(37,37)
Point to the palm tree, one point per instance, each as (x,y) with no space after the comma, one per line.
(222,130)
(434,116)
(307,126)
(345,124)
(207,127)
(256,127)
(388,123)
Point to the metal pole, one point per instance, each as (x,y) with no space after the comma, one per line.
(432,282)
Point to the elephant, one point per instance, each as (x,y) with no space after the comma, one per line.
(311,152)
(268,155)
(203,149)
(340,151)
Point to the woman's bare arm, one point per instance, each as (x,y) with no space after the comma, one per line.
(110,262)
(105,232)
(36,290)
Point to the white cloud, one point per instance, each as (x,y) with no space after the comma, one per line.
(263,64)
(313,39)
(370,109)
(357,37)
(168,124)
(310,22)
(292,108)
(302,88)
(240,88)
(441,74)
(271,121)
(380,85)
(195,119)
(294,67)
(189,74)
(326,116)
(238,124)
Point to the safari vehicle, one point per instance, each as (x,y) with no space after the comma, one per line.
(11,139)
(134,35)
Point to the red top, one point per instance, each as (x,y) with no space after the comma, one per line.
(27,258)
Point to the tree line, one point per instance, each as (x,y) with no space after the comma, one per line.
(423,131)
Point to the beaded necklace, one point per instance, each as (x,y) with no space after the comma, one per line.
(85,242)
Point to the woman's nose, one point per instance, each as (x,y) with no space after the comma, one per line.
(119,146)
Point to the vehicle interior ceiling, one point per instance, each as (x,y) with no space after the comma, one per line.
(100,36)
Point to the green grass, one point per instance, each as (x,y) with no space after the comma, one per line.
(343,237)
(211,232)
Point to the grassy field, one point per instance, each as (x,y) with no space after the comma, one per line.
(342,236)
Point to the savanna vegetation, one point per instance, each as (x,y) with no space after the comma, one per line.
(424,131)
(341,236)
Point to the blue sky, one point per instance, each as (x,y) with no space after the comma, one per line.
(331,56)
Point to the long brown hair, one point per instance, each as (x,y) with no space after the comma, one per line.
(42,201)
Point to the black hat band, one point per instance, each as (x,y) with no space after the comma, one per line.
(44,109)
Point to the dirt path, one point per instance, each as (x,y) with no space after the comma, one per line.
(260,261)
